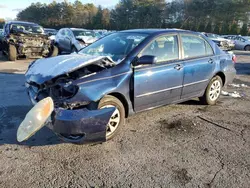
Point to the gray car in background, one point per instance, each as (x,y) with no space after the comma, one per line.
(69,40)
(223,43)
(241,43)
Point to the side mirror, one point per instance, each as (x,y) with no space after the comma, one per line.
(146,60)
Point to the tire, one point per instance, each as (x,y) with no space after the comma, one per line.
(105,101)
(12,53)
(109,101)
(73,49)
(247,48)
(212,92)
(53,52)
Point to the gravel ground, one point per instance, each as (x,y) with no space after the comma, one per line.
(184,145)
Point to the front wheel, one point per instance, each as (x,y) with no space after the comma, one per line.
(212,92)
(117,119)
(247,48)
(12,53)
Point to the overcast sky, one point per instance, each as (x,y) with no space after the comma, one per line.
(10,8)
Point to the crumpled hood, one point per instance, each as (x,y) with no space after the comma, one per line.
(43,70)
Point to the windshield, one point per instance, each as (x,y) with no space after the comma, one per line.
(83,33)
(117,45)
(26,28)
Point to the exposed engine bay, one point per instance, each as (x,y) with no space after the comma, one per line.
(61,88)
(30,44)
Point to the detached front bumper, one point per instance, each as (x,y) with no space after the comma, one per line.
(91,124)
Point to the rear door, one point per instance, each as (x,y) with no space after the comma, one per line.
(199,65)
(160,83)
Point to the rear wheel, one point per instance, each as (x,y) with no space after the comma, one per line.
(12,53)
(117,119)
(212,92)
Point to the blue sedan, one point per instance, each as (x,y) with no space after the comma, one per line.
(94,90)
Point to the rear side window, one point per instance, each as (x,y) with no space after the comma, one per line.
(194,46)
(241,39)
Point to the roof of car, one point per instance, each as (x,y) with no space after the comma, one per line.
(21,22)
(49,29)
(78,29)
(156,31)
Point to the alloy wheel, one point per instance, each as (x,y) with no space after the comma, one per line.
(215,90)
(113,121)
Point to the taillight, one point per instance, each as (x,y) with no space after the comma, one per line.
(234,58)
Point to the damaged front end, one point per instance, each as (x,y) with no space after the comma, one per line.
(30,45)
(73,120)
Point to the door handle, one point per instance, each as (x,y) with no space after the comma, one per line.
(178,67)
(211,61)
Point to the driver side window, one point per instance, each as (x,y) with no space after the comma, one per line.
(165,48)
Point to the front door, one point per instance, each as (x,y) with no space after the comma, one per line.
(199,65)
(240,43)
(160,83)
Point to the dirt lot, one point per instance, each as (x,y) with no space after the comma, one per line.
(184,145)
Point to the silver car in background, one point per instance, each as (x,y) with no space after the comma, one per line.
(241,43)
(69,40)
(223,43)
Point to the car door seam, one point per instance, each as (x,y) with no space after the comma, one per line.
(185,85)
(159,91)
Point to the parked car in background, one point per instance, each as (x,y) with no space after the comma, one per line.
(1,39)
(241,43)
(26,39)
(94,90)
(51,32)
(70,40)
(224,44)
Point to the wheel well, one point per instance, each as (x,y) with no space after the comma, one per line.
(246,46)
(123,101)
(222,76)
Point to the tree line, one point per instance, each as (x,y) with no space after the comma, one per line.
(217,16)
